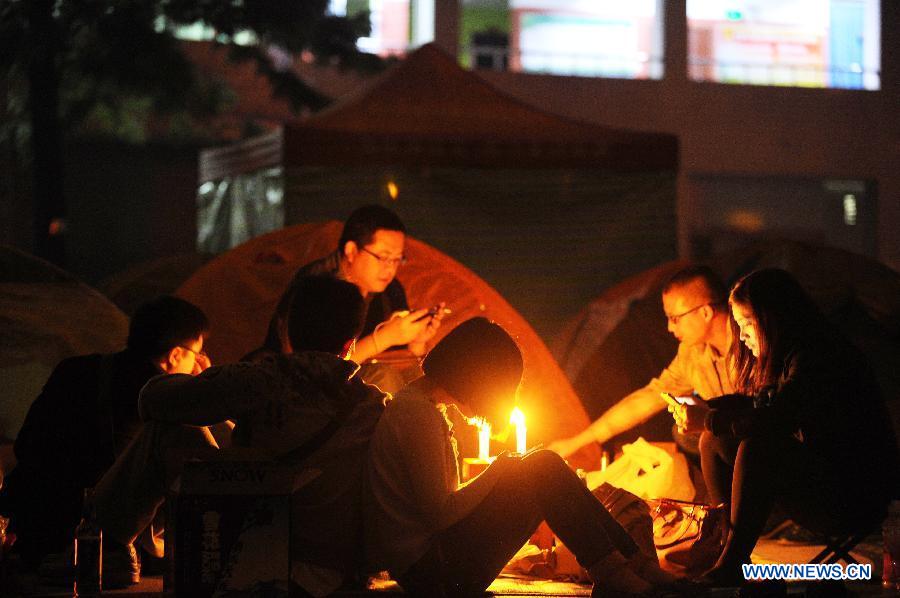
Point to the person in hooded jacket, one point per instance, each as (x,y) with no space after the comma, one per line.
(305,405)
(84,417)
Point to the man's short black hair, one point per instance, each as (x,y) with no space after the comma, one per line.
(361,225)
(164,323)
(324,313)
(718,295)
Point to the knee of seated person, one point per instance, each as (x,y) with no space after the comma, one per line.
(542,463)
(174,435)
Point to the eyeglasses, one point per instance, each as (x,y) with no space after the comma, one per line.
(201,352)
(674,319)
(394,262)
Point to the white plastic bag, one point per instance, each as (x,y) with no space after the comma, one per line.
(648,471)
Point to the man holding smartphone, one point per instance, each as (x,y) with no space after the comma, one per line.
(694,302)
(369,254)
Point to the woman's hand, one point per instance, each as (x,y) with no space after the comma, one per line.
(689,415)
(689,418)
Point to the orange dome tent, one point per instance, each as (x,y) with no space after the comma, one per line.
(239,290)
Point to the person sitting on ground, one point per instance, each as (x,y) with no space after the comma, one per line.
(810,431)
(369,254)
(697,315)
(302,405)
(437,537)
(83,419)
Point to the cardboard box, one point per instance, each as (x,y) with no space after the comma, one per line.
(230,522)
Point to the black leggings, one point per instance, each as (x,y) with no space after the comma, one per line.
(755,473)
(466,557)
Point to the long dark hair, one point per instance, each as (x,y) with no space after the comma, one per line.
(785,316)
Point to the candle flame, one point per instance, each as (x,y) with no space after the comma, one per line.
(517,418)
(393,190)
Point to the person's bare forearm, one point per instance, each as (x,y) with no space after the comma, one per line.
(632,410)
(366,348)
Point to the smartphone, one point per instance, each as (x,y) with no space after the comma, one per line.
(688,400)
(435,310)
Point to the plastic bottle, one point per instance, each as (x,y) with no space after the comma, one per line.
(890,576)
(88,550)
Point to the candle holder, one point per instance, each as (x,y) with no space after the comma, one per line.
(472,466)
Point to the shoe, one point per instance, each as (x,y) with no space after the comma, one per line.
(612,576)
(121,567)
(648,569)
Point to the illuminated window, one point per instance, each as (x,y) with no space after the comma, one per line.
(396,25)
(801,43)
(850,209)
(605,38)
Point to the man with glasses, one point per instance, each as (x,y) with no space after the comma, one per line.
(694,302)
(369,254)
(304,406)
(85,416)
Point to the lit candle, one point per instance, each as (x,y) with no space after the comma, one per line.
(517,418)
(484,440)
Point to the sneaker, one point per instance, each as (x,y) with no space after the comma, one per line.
(121,567)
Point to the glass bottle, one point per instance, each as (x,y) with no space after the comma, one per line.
(88,550)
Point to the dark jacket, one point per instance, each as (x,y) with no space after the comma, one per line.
(282,405)
(379,306)
(67,442)
(828,398)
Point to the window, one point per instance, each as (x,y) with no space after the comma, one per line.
(605,38)
(801,43)
(396,25)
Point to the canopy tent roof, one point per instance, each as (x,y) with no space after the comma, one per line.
(429,110)
(46,316)
(619,341)
(239,290)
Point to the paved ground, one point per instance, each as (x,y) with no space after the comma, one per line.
(767,551)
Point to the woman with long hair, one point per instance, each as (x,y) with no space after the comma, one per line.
(809,429)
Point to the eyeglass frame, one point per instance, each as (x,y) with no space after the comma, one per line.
(677,317)
(387,261)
